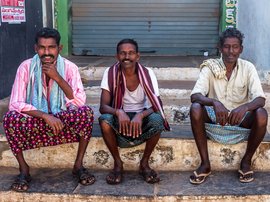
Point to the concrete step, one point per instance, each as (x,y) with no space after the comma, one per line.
(58,185)
(175,151)
(91,73)
(165,73)
(148,61)
(175,95)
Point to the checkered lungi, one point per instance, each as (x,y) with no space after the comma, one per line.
(224,134)
(152,125)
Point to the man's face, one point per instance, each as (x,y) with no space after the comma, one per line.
(48,50)
(231,50)
(127,55)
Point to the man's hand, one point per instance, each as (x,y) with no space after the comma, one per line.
(237,115)
(50,70)
(124,122)
(221,113)
(135,128)
(55,123)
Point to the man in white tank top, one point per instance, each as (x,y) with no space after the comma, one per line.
(131,110)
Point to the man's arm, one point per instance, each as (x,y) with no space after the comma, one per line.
(105,101)
(105,108)
(238,113)
(55,123)
(203,100)
(136,122)
(220,110)
(51,71)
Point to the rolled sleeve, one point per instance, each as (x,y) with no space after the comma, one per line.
(202,84)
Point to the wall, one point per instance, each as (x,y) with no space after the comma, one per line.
(253,19)
(17,44)
(62,12)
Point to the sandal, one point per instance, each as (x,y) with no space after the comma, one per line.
(114,177)
(246,177)
(84,177)
(21,183)
(198,178)
(149,176)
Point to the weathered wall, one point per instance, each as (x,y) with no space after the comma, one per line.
(254,22)
(17,44)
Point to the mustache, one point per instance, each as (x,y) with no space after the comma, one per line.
(43,56)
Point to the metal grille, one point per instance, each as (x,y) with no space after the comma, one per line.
(171,27)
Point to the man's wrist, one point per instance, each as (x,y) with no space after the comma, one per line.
(142,114)
(58,79)
(116,112)
(43,115)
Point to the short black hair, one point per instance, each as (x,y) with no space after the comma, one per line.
(131,41)
(229,33)
(47,32)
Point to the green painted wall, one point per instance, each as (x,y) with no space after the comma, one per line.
(228,14)
(62,13)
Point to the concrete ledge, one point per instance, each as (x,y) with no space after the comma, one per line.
(176,150)
(57,185)
(170,154)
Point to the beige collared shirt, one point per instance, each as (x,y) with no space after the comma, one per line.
(243,86)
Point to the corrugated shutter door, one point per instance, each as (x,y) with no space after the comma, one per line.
(171,27)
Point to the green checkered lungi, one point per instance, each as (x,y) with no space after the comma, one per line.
(224,134)
(151,125)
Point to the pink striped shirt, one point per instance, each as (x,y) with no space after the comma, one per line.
(18,94)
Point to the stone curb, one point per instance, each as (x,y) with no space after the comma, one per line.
(172,154)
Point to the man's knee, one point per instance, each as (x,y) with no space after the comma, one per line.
(196,110)
(104,121)
(88,111)
(261,117)
(155,119)
(104,125)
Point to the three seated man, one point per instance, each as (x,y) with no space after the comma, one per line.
(47,108)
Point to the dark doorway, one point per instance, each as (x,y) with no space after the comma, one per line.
(17,44)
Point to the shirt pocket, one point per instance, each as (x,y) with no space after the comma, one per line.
(239,93)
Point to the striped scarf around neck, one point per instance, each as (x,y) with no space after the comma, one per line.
(117,87)
(35,94)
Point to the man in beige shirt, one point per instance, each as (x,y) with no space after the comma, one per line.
(227,106)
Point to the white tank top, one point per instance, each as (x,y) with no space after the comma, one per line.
(135,101)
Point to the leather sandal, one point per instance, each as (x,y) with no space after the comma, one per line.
(21,183)
(84,177)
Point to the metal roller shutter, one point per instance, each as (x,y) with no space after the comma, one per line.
(171,27)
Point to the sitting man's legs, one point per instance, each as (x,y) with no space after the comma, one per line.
(24,133)
(109,136)
(151,129)
(198,118)
(257,122)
